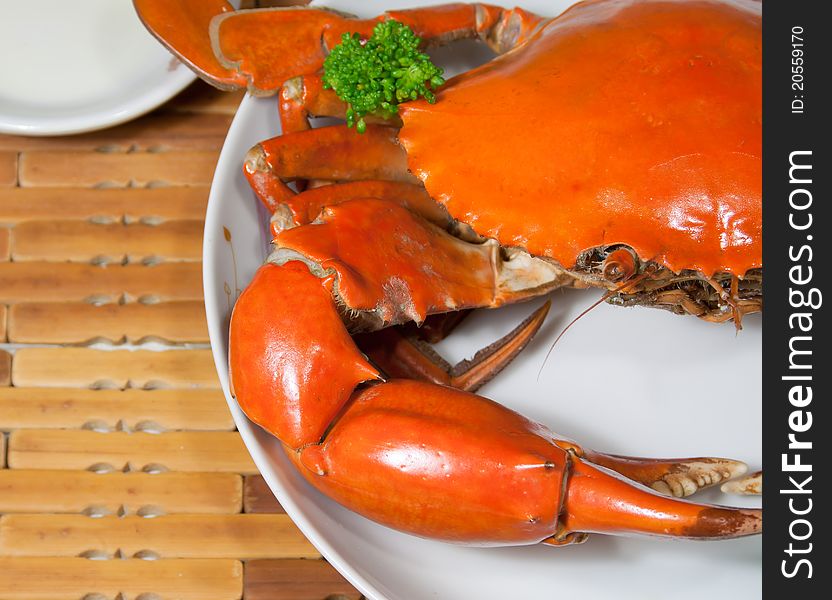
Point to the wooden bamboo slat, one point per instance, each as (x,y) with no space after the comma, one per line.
(8,168)
(295,579)
(84,367)
(131,169)
(258,498)
(102,205)
(81,322)
(48,282)
(5,244)
(97,494)
(100,241)
(5,368)
(155,131)
(102,410)
(205,451)
(202,99)
(80,241)
(61,491)
(174,536)
(56,578)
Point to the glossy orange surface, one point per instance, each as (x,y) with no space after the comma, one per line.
(445,464)
(272,45)
(325,153)
(337,153)
(182,26)
(305,97)
(390,261)
(602,502)
(292,363)
(443,22)
(441,463)
(424,458)
(306,206)
(622,121)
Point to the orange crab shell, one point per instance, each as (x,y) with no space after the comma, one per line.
(626,122)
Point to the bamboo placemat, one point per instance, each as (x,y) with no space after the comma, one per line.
(121,474)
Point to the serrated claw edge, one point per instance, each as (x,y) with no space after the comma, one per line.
(752,485)
(687,478)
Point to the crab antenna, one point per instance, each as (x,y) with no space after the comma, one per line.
(607,295)
(571,323)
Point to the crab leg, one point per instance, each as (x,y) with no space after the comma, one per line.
(274,158)
(262,48)
(437,327)
(303,96)
(182,27)
(332,153)
(424,458)
(405,356)
(409,268)
(306,206)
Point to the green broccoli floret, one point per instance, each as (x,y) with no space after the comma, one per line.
(376,75)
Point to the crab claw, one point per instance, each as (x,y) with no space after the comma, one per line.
(182,27)
(249,48)
(264,47)
(751,485)
(678,477)
(602,501)
(445,464)
(427,459)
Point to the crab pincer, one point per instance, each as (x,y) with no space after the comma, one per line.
(430,459)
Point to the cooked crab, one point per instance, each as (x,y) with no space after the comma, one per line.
(617,145)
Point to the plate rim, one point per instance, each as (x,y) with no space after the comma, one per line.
(245,427)
(115,114)
(118,104)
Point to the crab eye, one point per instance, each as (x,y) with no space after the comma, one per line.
(619,265)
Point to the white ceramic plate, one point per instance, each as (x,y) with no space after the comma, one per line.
(636,381)
(77,65)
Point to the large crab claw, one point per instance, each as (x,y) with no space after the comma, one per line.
(423,458)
